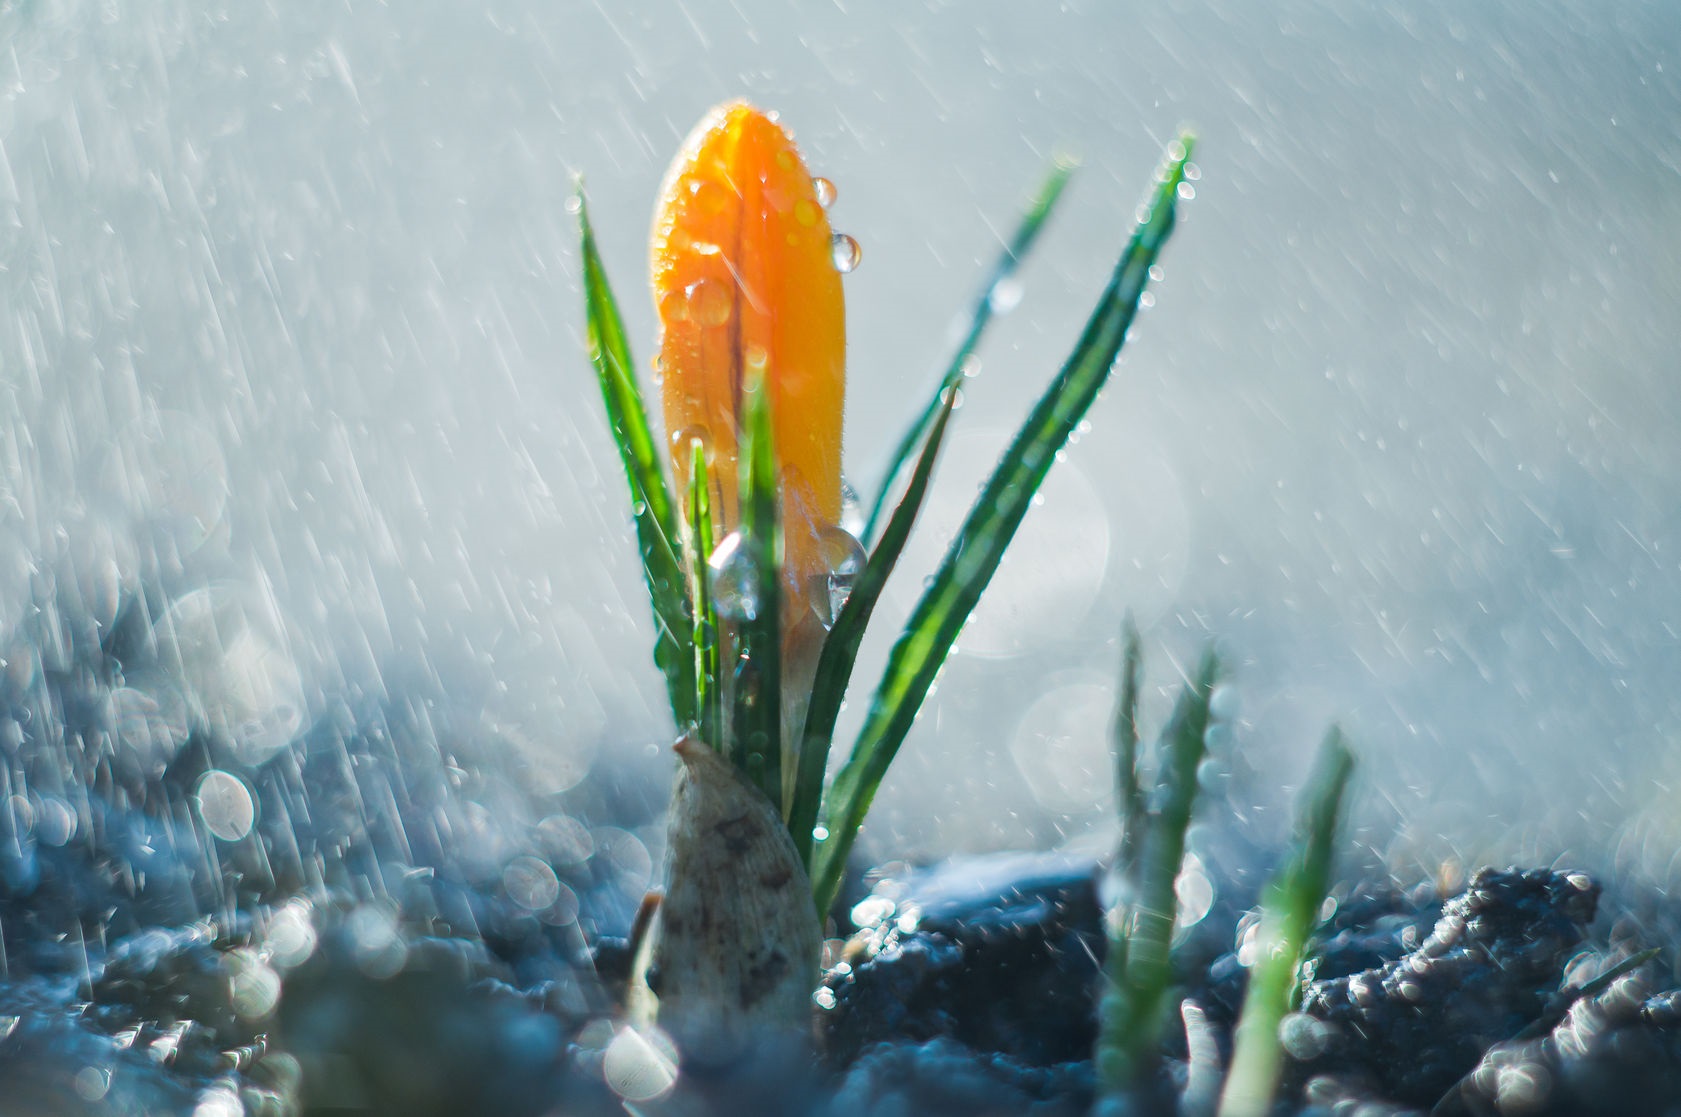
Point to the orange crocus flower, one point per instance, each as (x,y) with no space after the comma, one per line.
(744,275)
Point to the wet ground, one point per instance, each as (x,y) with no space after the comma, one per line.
(208,909)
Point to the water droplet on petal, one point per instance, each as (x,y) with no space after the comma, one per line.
(825,190)
(805,213)
(735,584)
(709,303)
(846,253)
(843,560)
(683,443)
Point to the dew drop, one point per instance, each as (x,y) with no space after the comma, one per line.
(735,585)
(1147,300)
(842,558)
(1005,296)
(709,303)
(805,213)
(852,510)
(1156,273)
(709,197)
(684,439)
(845,252)
(825,190)
(675,307)
(1186,191)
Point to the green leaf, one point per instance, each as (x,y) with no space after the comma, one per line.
(840,649)
(651,504)
(980,314)
(1138,976)
(1290,908)
(980,544)
(756,726)
(709,692)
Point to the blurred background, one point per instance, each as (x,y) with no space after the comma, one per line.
(290,325)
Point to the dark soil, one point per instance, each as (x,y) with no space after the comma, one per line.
(407,929)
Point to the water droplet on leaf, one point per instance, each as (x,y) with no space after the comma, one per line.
(735,584)
(843,560)
(1005,297)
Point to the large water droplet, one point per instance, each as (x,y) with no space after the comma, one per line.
(843,560)
(1005,296)
(683,442)
(825,190)
(852,510)
(845,252)
(735,584)
(709,303)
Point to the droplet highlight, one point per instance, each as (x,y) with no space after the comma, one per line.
(735,584)
(843,559)
(845,252)
(826,192)
(709,303)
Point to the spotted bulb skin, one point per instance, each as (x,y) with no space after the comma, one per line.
(744,279)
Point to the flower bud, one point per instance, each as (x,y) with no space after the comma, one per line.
(744,277)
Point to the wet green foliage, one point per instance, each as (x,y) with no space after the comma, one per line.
(994,294)
(1290,911)
(650,498)
(755,736)
(1137,968)
(691,645)
(997,512)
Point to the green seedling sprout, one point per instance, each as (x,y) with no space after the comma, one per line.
(1138,972)
(1291,907)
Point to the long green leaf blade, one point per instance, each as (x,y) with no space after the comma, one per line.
(709,691)
(980,544)
(840,650)
(992,297)
(756,726)
(651,504)
(1290,909)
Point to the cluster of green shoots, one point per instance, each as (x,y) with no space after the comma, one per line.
(1138,970)
(823,816)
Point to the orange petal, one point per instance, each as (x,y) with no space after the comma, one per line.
(743,270)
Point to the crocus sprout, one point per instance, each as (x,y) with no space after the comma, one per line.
(760,598)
